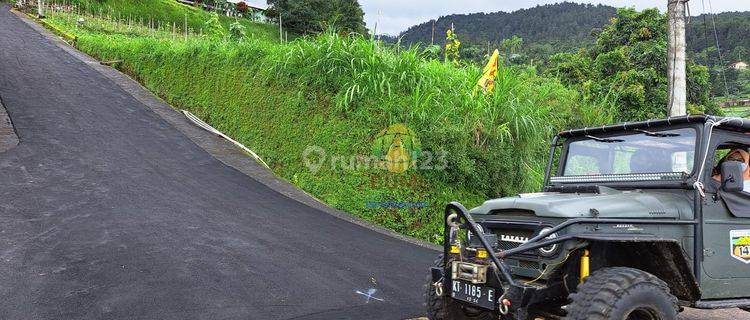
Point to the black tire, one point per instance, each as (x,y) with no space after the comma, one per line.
(445,308)
(622,294)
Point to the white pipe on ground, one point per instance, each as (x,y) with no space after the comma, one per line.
(197,121)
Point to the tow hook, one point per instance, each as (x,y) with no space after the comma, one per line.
(503,305)
(438,288)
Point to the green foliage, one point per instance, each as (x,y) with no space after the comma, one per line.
(237,31)
(731,28)
(338,92)
(431,52)
(546,29)
(315,16)
(169,12)
(739,53)
(743,81)
(568,22)
(213,27)
(510,47)
(627,67)
(452,47)
(567,27)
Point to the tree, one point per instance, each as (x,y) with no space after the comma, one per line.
(627,66)
(739,53)
(314,16)
(743,82)
(242,7)
(348,16)
(510,46)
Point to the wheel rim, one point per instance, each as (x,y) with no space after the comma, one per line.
(643,314)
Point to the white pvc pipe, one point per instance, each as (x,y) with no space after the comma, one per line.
(211,129)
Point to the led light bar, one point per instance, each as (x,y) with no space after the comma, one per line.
(665,176)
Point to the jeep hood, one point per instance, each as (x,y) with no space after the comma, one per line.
(610,203)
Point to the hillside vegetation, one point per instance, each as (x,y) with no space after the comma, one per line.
(168,13)
(564,25)
(336,93)
(627,66)
(568,27)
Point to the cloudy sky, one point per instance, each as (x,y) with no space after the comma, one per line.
(394,16)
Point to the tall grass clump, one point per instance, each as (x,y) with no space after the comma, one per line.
(337,93)
(502,135)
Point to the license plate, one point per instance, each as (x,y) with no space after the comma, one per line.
(475,294)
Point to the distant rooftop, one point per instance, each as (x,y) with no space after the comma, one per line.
(739,65)
(252,3)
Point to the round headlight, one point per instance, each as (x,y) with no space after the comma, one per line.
(548,250)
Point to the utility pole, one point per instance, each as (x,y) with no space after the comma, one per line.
(40,9)
(433,33)
(676,68)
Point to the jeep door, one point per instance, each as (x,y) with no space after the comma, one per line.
(726,264)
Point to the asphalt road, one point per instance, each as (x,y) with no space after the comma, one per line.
(109,212)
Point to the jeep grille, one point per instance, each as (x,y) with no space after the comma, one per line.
(512,238)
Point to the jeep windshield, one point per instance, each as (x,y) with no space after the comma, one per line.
(633,156)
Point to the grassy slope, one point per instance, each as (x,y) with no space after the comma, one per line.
(169,12)
(338,93)
(742,111)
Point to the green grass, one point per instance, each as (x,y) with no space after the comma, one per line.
(166,12)
(337,93)
(740,111)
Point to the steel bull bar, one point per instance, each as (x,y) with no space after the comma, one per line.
(519,295)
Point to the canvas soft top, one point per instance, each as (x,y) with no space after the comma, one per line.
(732,123)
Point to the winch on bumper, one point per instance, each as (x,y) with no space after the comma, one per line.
(498,265)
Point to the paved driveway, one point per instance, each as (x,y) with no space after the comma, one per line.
(109,212)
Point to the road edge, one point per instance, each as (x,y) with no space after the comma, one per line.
(217,147)
(8,135)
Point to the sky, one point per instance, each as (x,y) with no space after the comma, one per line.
(394,16)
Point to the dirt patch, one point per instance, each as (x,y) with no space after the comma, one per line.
(8,137)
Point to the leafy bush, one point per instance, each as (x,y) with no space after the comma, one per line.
(315,16)
(237,31)
(214,28)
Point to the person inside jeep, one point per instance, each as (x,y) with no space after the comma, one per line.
(736,202)
(738,155)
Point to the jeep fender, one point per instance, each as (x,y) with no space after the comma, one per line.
(663,258)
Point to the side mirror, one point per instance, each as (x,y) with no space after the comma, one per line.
(731,176)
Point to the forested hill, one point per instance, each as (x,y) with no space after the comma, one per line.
(564,23)
(567,26)
(732,29)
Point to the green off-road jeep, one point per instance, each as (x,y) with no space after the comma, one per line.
(635,221)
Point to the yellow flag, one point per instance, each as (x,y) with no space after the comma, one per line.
(487,81)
